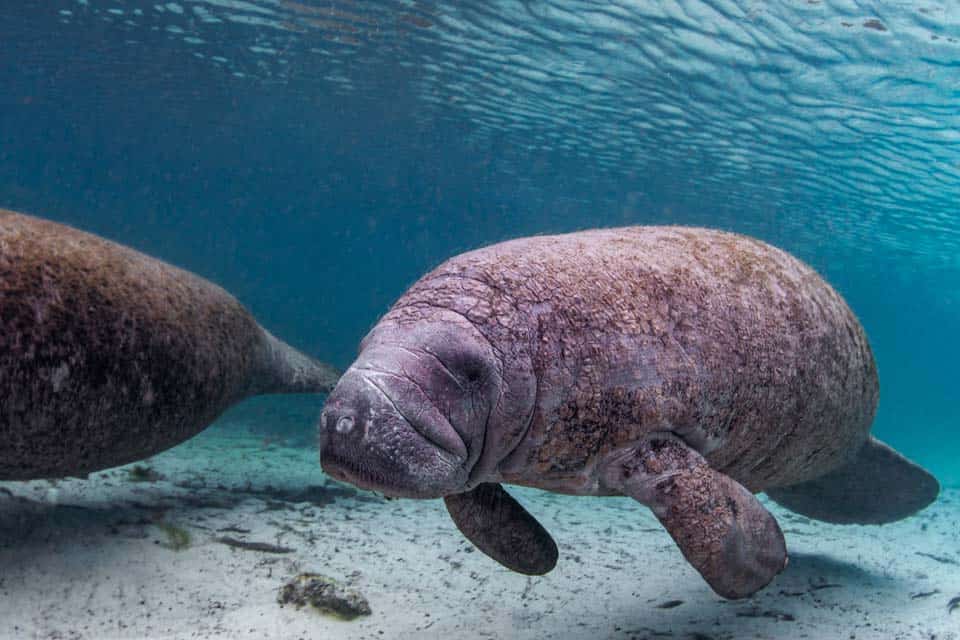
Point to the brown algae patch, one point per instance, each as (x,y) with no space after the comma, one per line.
(324,594)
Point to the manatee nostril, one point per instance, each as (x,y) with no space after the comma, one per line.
(345,424)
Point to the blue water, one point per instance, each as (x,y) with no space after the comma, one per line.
(315,158)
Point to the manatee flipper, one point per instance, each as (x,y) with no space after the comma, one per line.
(500,527)
(878,485)
(720,527)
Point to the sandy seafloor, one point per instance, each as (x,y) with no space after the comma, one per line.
(89,558)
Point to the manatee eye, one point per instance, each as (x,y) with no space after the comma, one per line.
(473,374)
(470,368)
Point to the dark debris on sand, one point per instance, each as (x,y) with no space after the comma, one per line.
(265,547)
(324,594)
(953,604)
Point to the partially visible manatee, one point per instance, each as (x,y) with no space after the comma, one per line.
(108,356)
(686,368)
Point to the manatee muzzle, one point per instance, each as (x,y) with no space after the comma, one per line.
(410,402)
(380,431)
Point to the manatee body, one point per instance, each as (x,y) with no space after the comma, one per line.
(108,356)
(687,368)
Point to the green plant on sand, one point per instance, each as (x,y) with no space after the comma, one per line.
(142,473)
(178,538)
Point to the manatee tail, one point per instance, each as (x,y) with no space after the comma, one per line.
(286,370)
(877,486)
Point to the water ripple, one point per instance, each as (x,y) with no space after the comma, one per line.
(837,109)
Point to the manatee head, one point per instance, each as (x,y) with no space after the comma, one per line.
(408,418)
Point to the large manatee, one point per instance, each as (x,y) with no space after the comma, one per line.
(683,367)
(108,356)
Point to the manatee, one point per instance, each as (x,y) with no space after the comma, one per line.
(686,368)
(109,356)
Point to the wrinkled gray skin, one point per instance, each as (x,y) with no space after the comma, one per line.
(686,368)
(109,356)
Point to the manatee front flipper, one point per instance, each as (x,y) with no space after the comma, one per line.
(721,528)
(496,523)
(877,486)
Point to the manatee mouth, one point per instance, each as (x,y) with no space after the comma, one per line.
(391,483)
(425,419)
(347,470)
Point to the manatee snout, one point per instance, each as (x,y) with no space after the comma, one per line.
(379,431)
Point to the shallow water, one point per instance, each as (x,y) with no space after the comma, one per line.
(315,158)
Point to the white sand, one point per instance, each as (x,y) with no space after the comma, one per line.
(83,559)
